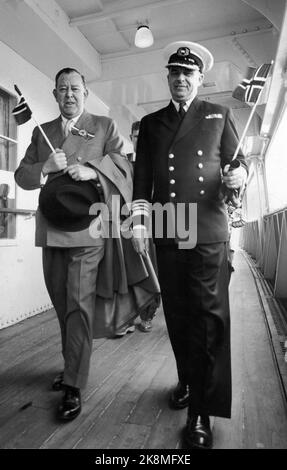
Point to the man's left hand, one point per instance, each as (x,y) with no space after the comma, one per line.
(235,178)
(81,172)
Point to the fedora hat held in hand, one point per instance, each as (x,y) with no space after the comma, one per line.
(66,203)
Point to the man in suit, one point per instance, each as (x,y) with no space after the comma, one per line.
(183,153)
(87,166)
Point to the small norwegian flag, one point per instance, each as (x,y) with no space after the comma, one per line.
(251,86)
(22,113)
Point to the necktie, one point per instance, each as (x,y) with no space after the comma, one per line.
(68,126)
(181,110)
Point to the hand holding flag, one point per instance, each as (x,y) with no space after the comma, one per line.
(22,113)
(231,196)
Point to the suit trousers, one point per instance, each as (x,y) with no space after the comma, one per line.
(70,276)
(194,286)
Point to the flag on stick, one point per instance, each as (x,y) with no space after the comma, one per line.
(248,91)
(251,89)
(251,86)
(23,113)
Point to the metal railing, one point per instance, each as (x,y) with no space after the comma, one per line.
(17,211)
(266,241)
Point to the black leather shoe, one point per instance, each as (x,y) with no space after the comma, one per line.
(197,433)
(179,397)
(70,407)
(57,384)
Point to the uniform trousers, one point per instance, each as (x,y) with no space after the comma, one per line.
(194,286)
(70,276)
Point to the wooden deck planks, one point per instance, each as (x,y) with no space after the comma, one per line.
(125,402)
(259,417)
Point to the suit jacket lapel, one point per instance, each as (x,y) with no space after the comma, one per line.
(193,116)
(73,142)
(55,133)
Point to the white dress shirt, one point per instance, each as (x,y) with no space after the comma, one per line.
(67,124)
(185,107)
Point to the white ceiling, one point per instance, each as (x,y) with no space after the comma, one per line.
(237,34)
(97,37)
(110,25)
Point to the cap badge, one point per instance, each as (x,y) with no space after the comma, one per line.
(183,51)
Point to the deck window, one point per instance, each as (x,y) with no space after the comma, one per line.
(8,156)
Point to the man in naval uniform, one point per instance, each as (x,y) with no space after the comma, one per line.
(88,166)
(182,156)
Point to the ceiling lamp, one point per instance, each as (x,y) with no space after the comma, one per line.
(143,37)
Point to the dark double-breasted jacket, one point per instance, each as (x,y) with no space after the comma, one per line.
(181,162)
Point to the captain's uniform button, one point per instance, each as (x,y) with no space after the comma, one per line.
(202,192)
(199,153)
(171,155)
(200,165)
(99,185)
(200,179)
(79,159)
(172,194)
(172,181)
(171,168)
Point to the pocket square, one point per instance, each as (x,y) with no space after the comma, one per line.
(214,116)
